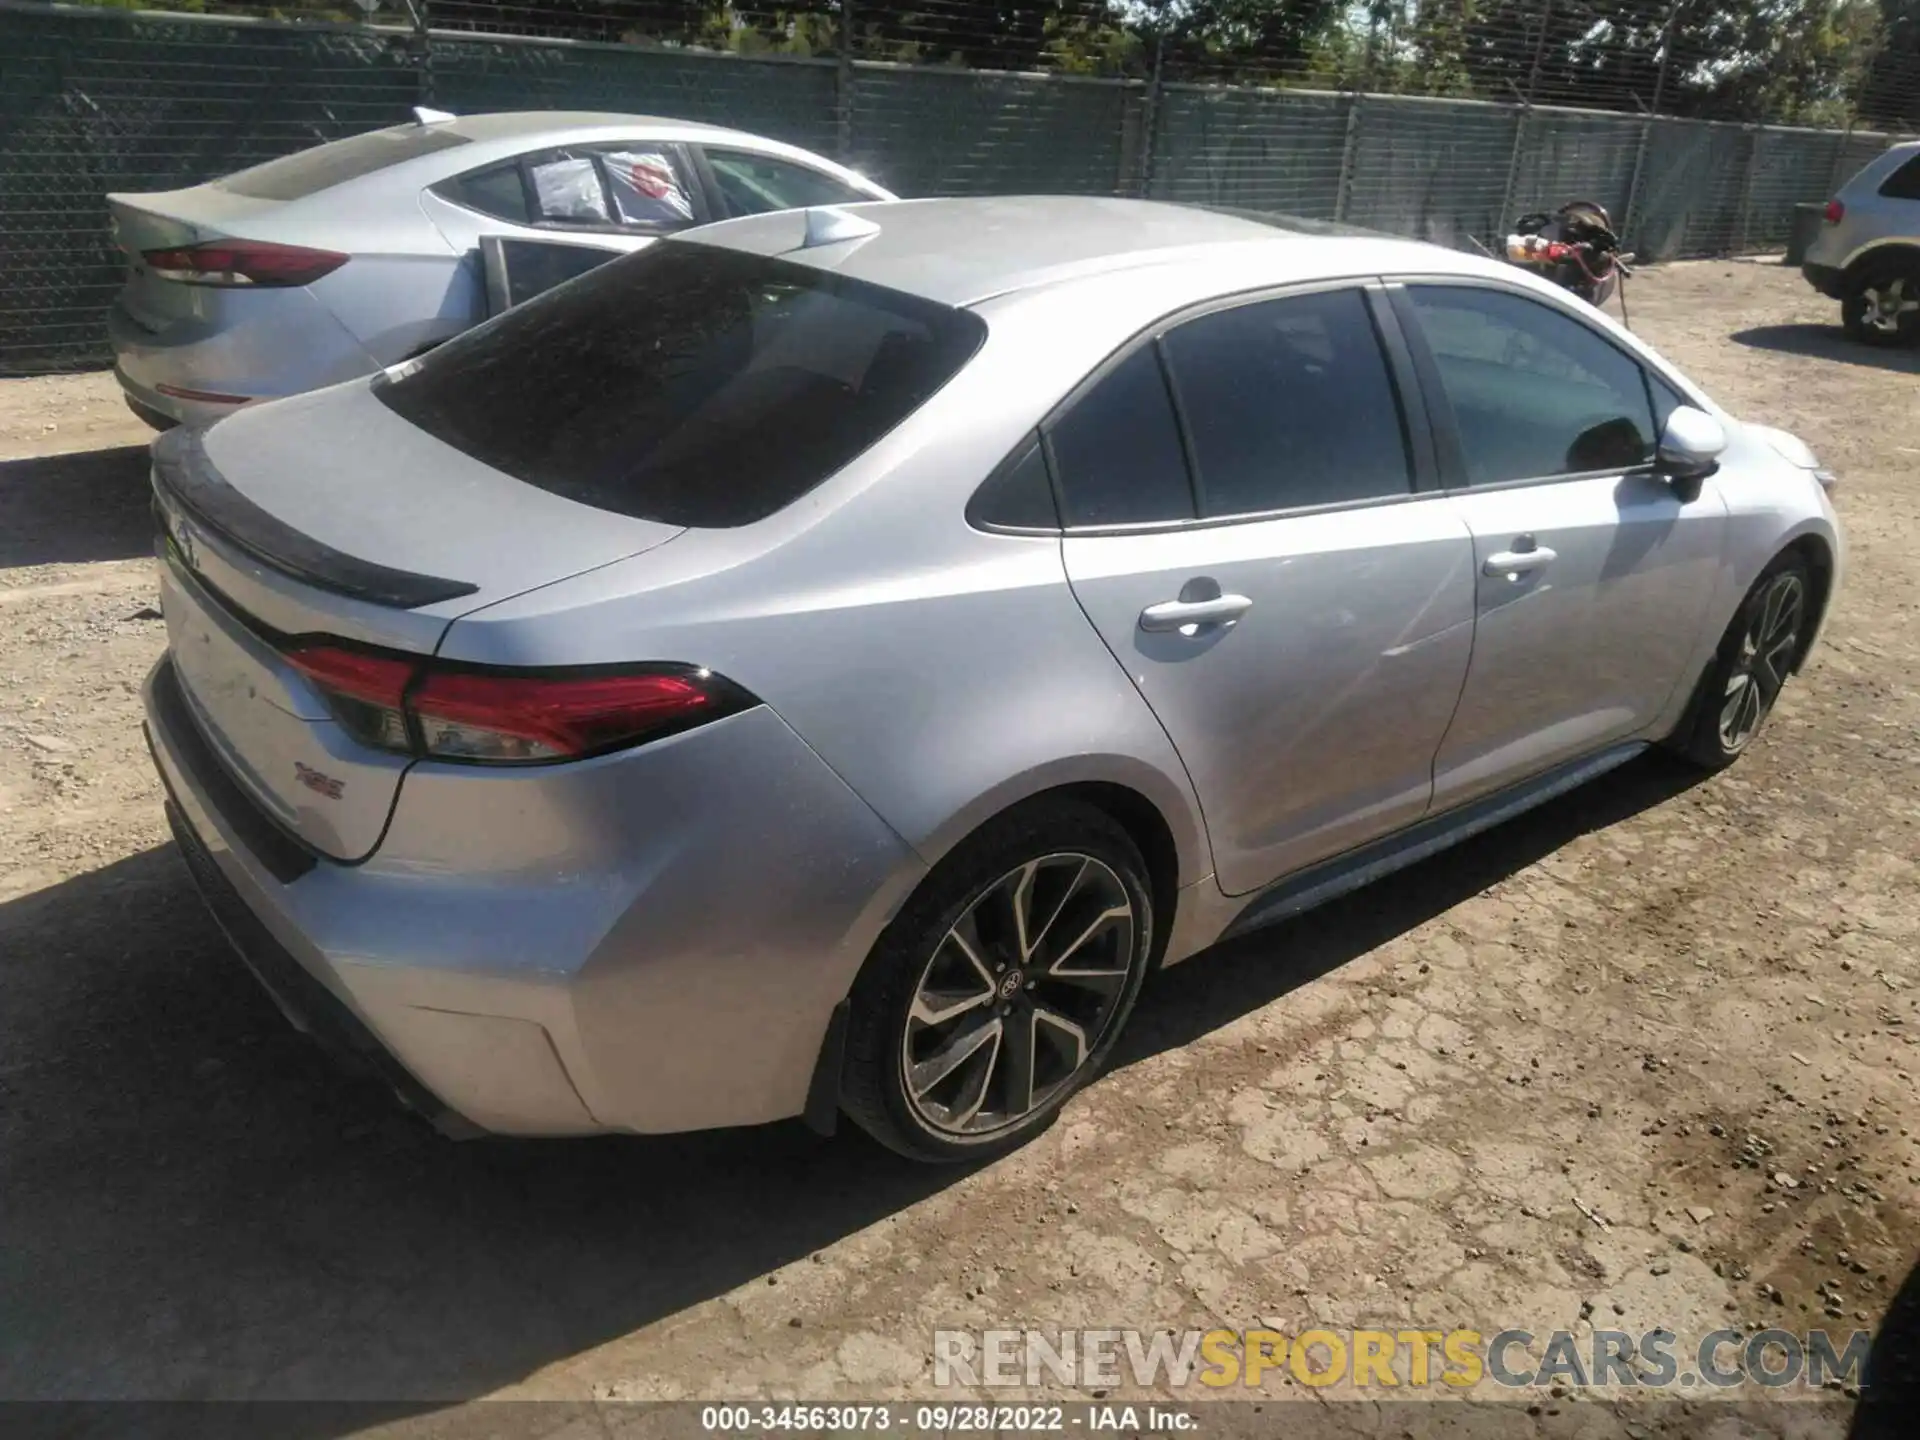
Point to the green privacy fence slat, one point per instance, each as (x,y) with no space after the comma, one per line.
(786,100)
(92,104)
(948,132)
(1250,149)
(94,101)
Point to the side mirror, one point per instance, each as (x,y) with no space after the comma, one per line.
(1689,450)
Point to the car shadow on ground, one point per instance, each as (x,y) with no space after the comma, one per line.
(1253,970)
(199,1205)
(1829,342)
(69,509)
(1891,1396)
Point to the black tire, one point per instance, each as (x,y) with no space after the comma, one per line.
(1085,859)
(1755,658)
(1868,294)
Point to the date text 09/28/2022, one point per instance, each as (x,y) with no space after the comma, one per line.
(946,1419)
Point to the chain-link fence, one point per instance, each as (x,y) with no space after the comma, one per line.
(1698,123)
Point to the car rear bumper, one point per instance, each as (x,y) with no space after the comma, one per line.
(687,984)
(244,348)
(1824,278)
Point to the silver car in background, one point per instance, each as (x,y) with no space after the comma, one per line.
(336,261)
(821,664)
(1867,254)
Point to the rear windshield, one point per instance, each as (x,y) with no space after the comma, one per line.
(686,384)
(294,177)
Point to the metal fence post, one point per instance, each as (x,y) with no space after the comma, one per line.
(1343,197)
(1859,88)
(419,49)
(1150,116)
(1743,222)
(1653,115)
(843,87)
(1520,121)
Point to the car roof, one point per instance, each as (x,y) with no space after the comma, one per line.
(532,124)
(964,251)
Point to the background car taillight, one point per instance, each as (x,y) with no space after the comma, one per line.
(243,262)
(508,717)
(1836,212)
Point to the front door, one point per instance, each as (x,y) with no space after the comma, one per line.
(1245,533)
(1593,575)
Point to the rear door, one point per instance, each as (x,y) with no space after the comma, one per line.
(518,269)
(1593,575)
(1247,528)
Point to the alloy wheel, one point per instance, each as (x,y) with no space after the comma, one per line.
(1766,655)
(1885,306)
(1016,997)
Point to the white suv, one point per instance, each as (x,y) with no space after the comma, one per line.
(1867,255)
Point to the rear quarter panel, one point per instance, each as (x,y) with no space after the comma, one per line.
(943,672)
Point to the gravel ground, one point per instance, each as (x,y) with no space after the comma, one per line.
(1644,1058)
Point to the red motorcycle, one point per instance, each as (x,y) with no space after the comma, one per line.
(1575,247)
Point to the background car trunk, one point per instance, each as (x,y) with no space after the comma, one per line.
(169,219)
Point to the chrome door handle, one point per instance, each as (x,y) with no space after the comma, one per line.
(1178,614)
(1518,562)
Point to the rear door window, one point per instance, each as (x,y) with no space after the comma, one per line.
(687,384)
(1289,403)
(567,189)
(646,187)
(294,177)
(627,186)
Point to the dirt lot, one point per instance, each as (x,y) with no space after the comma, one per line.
(1651,1000)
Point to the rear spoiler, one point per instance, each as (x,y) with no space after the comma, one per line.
(187,486)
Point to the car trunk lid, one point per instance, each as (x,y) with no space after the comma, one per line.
(329,516)
(174,219)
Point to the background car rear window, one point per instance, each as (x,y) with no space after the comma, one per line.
(498,192)
(1904,183)
(294,177)
(1289,403)
(686,384)
(1534,393)
(1117,451)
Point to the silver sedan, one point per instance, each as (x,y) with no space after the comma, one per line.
(822,664)
(335,261)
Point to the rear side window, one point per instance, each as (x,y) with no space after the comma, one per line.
(498,192)
(1019,495)
(1904,183)
(686,384)
(1289,403)
(1534,393)
(294,177)
(1117,451)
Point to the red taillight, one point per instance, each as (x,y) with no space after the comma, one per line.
(1836,212)
(359,674)
(489,716)
(243,262)
(364,689)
